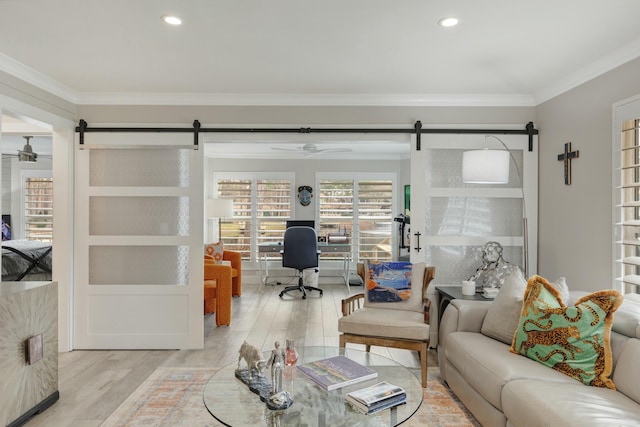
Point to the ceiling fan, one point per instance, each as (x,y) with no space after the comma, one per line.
(26,154)
(310,149)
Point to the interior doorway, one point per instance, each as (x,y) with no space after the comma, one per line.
(27,198)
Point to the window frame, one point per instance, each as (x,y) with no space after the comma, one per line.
(253,219)
(356,177)
(623,111)
(20,171)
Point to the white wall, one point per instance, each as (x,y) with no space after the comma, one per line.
(575,222)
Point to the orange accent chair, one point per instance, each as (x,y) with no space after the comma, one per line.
(236,271)
(217,290)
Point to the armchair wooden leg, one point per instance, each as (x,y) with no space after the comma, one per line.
(424,349)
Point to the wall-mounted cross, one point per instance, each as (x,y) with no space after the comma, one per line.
(566,157)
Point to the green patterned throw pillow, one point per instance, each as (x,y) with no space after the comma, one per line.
(573,340)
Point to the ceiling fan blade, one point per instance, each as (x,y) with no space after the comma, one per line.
(287,149)
(336,150)
(309,150)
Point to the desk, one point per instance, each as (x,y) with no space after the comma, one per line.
(232,403)
(266,249)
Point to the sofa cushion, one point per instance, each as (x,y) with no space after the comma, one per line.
(627,375)
(573,340)
(627,318)
(380,322)
(504,313)
(541,403)
(487,365)
(414,303)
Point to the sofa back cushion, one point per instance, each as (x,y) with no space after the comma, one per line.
(627,318)
(501,320)
(626,375)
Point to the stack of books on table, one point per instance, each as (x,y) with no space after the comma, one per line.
(377,397)
(336,372)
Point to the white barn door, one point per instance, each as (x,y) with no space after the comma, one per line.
(138,242)
(456,219)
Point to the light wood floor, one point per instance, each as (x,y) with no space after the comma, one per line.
(94,383)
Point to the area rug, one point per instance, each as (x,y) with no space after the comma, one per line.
(172,397)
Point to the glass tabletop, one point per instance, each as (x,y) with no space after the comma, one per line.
(231,402)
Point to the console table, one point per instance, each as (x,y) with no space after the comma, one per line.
(342,249)
(231,402)
(446,294)
(29,345)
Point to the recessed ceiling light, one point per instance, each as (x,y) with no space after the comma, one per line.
(171,19)
(448,22)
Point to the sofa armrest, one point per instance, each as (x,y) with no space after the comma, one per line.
(470,314)
(217,272)
(460,315)
(463,315)
(234,257)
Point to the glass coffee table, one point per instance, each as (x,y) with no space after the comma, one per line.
(231,402)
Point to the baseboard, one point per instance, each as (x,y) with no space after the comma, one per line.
(35,410)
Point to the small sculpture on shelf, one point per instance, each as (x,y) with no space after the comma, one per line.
(494,269)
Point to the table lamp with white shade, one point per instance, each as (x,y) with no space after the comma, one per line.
(219,208)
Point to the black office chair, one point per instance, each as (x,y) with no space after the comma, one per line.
(300,252)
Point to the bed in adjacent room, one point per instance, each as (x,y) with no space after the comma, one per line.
(26,260)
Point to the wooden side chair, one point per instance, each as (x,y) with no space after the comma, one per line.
(403,325)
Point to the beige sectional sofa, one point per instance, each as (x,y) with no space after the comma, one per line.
(505,389)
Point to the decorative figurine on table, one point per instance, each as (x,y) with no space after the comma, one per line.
(279,399)
(490,276)
(276,363)
(253,358)
(291,352)
(269,392)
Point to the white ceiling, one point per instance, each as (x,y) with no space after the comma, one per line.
(355,50)
(306,52)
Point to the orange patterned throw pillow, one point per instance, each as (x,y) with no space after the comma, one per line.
(215,250)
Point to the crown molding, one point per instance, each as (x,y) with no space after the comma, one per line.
(37,79)
(348,100)
(612,60)
(41,81)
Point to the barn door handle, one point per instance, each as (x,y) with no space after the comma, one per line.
(417,248)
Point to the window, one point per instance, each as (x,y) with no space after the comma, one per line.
(262,203)
(38,206)
(628,241)
(362,208)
